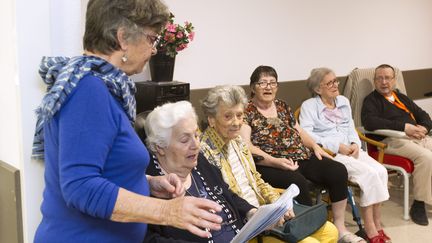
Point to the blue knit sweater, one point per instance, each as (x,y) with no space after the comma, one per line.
(91,150)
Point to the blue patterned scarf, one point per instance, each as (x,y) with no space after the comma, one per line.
(62,75)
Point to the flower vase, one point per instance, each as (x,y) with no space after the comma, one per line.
(162,67)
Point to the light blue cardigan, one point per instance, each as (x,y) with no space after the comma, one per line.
(325,132)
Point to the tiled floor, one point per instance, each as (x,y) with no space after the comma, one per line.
(400,230)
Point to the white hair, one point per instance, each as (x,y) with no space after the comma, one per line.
(229,95)
(162,119)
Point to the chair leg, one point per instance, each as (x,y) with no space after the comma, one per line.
(406,188)
(406,195)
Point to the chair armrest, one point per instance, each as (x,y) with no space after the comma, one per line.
(386,132)
(370,141)
(257,158)
(329,152)
(380,146)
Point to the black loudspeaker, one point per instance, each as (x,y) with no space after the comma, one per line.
(151,94)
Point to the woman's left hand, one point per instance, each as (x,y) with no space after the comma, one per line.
(354,150)
(250,213)
(287,216)
(166,186)
(319,152)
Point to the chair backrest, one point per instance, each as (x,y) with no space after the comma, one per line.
(360,83)
(140,123)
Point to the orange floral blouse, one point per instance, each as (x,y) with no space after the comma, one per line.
(276,136)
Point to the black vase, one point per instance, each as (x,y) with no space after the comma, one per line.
(162,67)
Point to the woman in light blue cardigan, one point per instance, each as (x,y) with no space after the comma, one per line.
(327,119)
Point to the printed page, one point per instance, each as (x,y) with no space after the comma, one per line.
(267,215)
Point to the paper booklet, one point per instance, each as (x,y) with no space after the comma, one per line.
(267,215)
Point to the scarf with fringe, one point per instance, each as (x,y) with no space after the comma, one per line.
(62,75)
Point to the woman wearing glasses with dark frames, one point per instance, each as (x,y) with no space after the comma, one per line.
(95,186)
(172,136)
(223,146)
(288,152)
(327,117)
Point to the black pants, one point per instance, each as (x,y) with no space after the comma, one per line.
(329,173)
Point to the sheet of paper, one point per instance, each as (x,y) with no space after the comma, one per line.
(267,215)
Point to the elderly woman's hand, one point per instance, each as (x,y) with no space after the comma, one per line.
(286,164)
(344,149)
(166,186)
(354,150)
(251,213)
(193,214)
(319,152)
(287,216)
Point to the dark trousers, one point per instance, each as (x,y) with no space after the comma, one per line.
(326,172)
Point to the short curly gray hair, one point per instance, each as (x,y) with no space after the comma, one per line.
(315,78)
(105,17)
(160,122)
(229,95)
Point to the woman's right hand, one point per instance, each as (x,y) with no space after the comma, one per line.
(196,215)
(286,164)
(344,149)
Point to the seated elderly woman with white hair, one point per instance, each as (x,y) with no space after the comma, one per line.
(172,137)
(327,118)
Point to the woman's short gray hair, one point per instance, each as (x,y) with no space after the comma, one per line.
(229,95)
(160,122)
(105,17)
(315,78)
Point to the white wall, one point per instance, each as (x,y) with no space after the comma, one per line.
(425,104)
(10,121)
(33,32)
(233,37)
(44,27)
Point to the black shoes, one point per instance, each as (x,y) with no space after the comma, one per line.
(418,213)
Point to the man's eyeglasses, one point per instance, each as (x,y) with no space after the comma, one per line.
(153,39)
(264,84)
(332,83)
(384,78)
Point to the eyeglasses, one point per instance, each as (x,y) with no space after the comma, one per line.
(264,84)
(384,78)
(332,83)
(153,39)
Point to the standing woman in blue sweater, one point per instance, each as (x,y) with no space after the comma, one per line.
(96,189)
